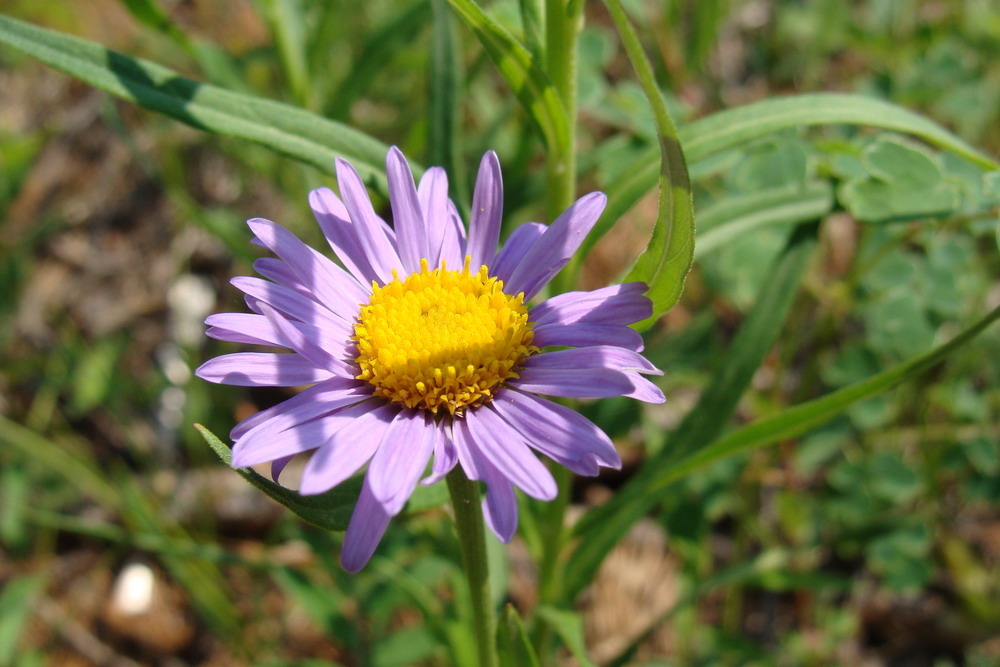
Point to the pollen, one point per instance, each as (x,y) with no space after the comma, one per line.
(441,338)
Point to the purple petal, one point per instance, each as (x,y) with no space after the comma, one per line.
(644,390)
(445,456)
(274,269)
(500,504)
(261,369)
(278,465)
(444,239)
(401,459)
(560,433)
(324,390)
(505,449)
(259,330)
(554,248)
(330,284)
(368,524)
(617,304)
(309,342)
(347,450)
(378,249)
(585,334)
(599,356)
(294,305)
(518,243)
(487,212)
(578,383)
(411,233)
(298,432)
(334,220)
(466,450)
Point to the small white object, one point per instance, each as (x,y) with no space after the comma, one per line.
(133,592)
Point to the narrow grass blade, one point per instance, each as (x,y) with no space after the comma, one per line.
(283,128)
(601,528)
(807,416)
(379,48)
(569,626)
(15,610)
(666,261)
(513,647)
(735,216)
(730,128)
(443,144)
(523,74)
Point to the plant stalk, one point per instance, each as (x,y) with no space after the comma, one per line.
(471,538)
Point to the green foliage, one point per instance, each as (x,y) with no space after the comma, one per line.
(830,432)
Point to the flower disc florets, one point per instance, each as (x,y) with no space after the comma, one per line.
(442,338)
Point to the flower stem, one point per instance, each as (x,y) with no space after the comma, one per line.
(471,539)
(562,27)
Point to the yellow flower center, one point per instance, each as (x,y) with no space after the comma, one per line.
(442,338)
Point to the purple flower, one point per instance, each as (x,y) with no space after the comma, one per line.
(424,350)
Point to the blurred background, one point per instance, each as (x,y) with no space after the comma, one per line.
(123,540)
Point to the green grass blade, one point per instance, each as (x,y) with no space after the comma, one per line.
(283,128)
(732,127)
(533,25)
(789,423)
(15,610)
(569,626)
(601,528)
(802,418)
(728,129)
(379,48)
(735,216)
(513,646)
(331,510)
(285,19)
(445,105)
(668,257)
(523,74)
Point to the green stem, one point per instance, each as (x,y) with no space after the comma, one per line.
(471,538)
(550,581)
(562,27)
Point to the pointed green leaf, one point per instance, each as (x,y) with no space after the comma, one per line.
(569,626)
(733,217)
(331,510)
(601,528)
(668,257)
(730,128)
(513,646)
(522,72)
(283,128)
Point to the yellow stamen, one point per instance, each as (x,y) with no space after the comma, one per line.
(442,338)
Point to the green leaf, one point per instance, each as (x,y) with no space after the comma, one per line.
(283,128)
(523,74)
(444,104)
(734,217)
(725,130)
(903,182)
(513,646)
(379,48)
(601,528)
(779,161)
(533,26)
(15,609)
(569,626)
(802,418)
(331,510)
(732,127)
(667,259)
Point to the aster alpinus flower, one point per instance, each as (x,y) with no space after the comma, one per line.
(423,349)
